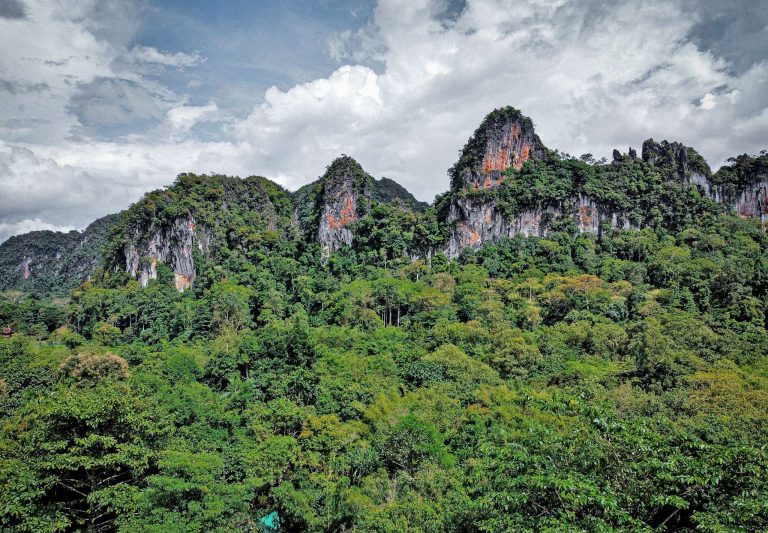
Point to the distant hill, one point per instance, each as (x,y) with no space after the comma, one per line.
(53,263)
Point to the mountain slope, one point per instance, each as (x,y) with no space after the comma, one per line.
(200,219)
(53,263)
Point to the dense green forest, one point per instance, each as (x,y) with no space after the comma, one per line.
(559,383)
(611,380)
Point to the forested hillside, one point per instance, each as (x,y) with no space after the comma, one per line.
(556,344)
(46,263)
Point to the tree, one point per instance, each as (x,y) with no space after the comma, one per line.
(73,458)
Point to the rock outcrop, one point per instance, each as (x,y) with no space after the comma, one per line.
(172,245)
(326,210)
(504,139)
(682,163)
(345,197)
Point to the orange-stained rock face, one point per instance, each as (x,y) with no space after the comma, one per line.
(183,282)
(508,143)
(347,216)
(585,216)
(26,271)
(469,236)
(508,151)
(522,157)
(333,222)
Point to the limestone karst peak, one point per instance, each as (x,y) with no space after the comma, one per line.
(345,198)
(506,138)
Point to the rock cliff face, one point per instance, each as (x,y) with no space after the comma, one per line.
(750,201)
(504,139)
(742,185)
(173,245)
(478,221)
(345,197)
(53,263)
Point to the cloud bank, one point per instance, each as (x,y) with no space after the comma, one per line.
(90,126)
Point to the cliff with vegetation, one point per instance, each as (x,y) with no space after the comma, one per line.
(197,223)
(53,263)
(534,190)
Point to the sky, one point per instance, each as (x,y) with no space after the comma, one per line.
(102,101)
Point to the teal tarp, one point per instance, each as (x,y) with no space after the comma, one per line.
(270,523)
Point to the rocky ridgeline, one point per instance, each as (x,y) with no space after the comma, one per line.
(188,221)
(506,139)
(741,187)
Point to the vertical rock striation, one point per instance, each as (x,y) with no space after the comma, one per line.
(173,245)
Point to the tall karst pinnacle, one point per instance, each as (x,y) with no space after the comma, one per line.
(345,198)
(504,139)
